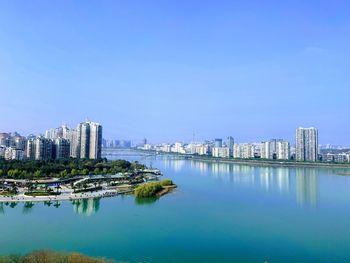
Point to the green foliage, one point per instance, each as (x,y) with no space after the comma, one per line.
(166,182)
(30,169)
(148,190)
(51,257)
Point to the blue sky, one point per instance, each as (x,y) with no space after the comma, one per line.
(165,69)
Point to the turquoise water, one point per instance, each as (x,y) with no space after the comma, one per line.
(218,213)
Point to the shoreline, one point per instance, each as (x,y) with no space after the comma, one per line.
(62,197)
(253,162)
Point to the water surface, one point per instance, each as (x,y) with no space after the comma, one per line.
(218,213)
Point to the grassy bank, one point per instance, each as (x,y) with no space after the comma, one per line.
(51,257)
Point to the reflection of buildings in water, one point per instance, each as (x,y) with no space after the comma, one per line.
(86,207)
(173,163)
(178,165)
(220,170)
(272,177)
(266,177)
(306,186)
(202,167)
(283,179)
(243,169)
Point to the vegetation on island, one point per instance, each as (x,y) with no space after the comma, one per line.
(29,169)
(153,189)
(52,257)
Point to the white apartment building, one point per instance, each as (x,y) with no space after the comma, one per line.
(223,152)
(306,148)
(275,149)
(243,150)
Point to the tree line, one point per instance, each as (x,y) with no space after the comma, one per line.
(28,169)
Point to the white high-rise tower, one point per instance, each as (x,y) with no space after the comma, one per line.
(306,147)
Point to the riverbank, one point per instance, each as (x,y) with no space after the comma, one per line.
(253,162)
(61,197)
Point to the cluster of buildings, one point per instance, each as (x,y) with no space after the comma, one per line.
(124,144)
(84,141)
(306,148)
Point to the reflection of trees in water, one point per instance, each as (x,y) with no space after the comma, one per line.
(307,186)
(2,211)
(146,201)
(13,204)
(86,207)
(28,207)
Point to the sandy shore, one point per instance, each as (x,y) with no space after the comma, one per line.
(61,197)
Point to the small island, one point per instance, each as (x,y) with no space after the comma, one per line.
(72,179)
(154,189)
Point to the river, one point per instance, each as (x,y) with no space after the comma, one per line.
(219,213)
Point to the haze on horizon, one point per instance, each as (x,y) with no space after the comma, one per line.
(165,69)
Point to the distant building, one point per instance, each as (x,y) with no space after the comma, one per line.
(244,150)
(12,153)
(54,133)
(84,129)
(90,135)
(306,144)
(62,149)
(144,141)
(283,150)
(178,147)
(44,148)
(275,149)
(198,148)
(95,140)
(223,152)
(218,143)
(30,149)
(230,143)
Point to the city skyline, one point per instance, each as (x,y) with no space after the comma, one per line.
(165,70)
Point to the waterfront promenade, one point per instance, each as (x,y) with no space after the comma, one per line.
(62,197)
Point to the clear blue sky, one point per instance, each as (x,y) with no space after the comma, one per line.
(163,69)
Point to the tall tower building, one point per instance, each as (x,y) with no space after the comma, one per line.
(84,129)
(95,140)
(306,146)
(230,143)
(30,149)
(73,135)
(62,149)
(218,143)
(43,148)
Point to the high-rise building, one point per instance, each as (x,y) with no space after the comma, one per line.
(44,148)
(95,140)
(283,150)
(30,149)
(90,138)
(243,150)
(275,149)
(223,152)
(218,143)
(230,143)
(306,144)
(62,148)
(54,133)
(84,130)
